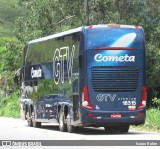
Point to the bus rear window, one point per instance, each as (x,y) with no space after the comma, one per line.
(114,37)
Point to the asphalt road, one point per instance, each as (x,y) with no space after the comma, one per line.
(16,129)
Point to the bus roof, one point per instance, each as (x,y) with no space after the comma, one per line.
(80,29)
(56,35)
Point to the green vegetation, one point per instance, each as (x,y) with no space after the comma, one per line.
(45,17)
(9,106)
(38,18)
(152,121)
(156,102)
(8,14)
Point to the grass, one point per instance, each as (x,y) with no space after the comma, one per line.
(3,41)
(152,123)
(9,106)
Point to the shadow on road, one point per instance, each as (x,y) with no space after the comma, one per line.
(100,131)
(90,131)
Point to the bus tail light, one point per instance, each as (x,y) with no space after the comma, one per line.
(85,99)
(137,27)
(89,27)
(137,116)
(113,25)
(143,98)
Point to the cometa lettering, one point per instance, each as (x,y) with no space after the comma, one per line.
(104,58)
(36,73)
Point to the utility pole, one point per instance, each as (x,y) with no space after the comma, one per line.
(86,10)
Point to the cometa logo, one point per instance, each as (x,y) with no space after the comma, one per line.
(99,58)
(36,73)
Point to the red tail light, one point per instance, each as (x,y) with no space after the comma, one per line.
(89,27)
(113,25)
(137,27)
(144,93)
(85,99)
(142,103)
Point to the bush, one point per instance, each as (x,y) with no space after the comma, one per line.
(156,102)
(153,119)
(9,106)
(152,122)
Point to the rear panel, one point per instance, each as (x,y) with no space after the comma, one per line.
(115,68)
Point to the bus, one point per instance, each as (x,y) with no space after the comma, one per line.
(90,76)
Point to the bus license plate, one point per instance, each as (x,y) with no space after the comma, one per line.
(116,115)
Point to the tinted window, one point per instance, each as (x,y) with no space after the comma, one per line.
(114,37)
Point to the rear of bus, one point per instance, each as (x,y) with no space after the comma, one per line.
(114,88)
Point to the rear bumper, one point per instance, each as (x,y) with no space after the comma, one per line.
(101,118)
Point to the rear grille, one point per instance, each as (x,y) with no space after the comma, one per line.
(114,79)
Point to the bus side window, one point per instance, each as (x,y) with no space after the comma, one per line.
(80,61)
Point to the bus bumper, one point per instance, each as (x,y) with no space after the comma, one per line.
(101,118)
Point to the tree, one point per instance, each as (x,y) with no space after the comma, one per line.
(45,17)
(10,61)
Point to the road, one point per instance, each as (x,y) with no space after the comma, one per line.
(16,129)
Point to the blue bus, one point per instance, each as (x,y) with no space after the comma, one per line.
(91,76)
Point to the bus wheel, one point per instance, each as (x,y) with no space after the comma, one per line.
(124,128)
(108,129)
(29,120)
(70,128)
(62,125)
(35,124)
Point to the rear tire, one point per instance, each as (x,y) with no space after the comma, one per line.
(124,128)
(35,124)
(120,128)
(70,128)
(29,120)
(62,125)
(109,129)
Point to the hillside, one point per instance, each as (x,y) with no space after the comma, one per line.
(8,14)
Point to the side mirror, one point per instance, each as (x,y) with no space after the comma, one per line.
(16,81)
(17,77)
